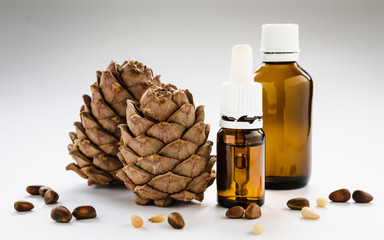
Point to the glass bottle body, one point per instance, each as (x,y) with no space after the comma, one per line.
(240,167)
(287,110)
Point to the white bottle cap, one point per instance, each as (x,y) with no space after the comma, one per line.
(241,96)
(280,42)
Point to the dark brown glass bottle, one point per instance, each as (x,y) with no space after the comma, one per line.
(240,167)
(287,108)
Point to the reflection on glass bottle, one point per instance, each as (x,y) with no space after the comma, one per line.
(241,171)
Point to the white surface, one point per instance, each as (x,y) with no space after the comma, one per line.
(50,50)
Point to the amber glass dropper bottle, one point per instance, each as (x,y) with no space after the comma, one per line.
(240,141)
(287,105)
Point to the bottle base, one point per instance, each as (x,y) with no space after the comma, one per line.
(285,183)
(238,201)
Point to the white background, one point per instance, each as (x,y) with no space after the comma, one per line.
(50,50)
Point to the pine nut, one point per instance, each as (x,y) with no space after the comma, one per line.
(309,213)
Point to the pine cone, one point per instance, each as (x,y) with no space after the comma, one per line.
(166,154)
(95,145)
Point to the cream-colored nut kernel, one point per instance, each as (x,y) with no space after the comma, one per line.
(258,229)
(137,222)
(309,213)
(322,202)
(157,218)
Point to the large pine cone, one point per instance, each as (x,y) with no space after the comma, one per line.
(166,154)
(95,144)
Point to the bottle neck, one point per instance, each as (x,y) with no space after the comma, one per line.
(280,65)
(256,124)
(279,57)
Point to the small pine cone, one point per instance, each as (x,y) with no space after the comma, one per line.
(95,144)
(165,151)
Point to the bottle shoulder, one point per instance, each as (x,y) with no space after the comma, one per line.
(240,136)
(241,131)
(280,71)
(304,72)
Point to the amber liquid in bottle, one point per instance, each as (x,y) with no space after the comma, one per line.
(287,108)
(240,167)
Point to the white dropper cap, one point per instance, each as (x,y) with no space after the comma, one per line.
(280,42)
(241,96)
